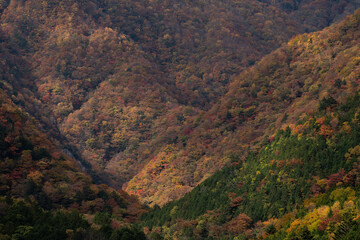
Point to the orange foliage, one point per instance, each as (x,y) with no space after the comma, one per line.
(239,224)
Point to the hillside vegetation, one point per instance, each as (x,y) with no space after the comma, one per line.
(118,82)
(301,182)
(230,119)
(274,93)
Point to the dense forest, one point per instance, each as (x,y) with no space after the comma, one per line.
(272,94)
(118,81)
(187,119)
(303,180)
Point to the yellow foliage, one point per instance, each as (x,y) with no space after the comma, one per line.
(313,219)
(272,221)
(349,205)
(294,225)
(36,176)
(336,207)
(42,165)
(346,127)
(342,194)
(173,210)
(322,182)
(353,153)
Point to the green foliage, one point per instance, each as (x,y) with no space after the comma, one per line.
(23,220)
(102,218)
(128,234)
(327,102)
(278,178)
(211,194)
(26,221)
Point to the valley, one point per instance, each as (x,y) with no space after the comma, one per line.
(130,112)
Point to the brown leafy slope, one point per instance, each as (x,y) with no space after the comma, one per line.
(138,129)
(125,79)
(137,137)
(38,179)
(34,166)
(203,46)
(303,183)
(275,92)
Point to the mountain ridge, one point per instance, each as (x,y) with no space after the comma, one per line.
(302,182)
(156,97)
(273,93)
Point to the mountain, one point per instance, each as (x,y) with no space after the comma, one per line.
(37,174)
(42,185)
(116,82)
(302,182)
(156,96)
(274,93)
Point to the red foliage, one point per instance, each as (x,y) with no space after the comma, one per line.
(239,224)
(17,173)
(323,225)
(46,98)
(236,202)
(188,131)
(315,189)
(336,178)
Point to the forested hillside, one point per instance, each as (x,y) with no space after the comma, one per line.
(44,190)
(155,97)
(302,181)
(36,174)
(119,82)
(272,94)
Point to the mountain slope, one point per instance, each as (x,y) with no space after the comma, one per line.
(275,92)
(123,84)
(148,96)
(39,176)
(302,182)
